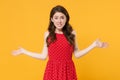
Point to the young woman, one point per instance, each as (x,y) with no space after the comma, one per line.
(59,44)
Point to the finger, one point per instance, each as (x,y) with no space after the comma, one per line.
(14,53)
(105,45)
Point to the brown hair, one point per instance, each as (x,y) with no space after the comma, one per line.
(67,29)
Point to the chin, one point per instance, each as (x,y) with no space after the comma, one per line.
(59,28)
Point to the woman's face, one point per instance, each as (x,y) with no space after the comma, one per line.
(59,20)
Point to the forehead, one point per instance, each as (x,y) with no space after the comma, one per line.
(58,14)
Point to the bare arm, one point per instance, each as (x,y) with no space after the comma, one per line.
(42,55)
(97,43)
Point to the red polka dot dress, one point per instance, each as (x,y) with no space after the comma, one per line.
(60,65)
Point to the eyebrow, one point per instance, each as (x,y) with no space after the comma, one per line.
(60,16)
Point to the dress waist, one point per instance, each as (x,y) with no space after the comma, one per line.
(60,60)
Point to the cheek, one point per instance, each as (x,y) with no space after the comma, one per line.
(54,22)
(64,21)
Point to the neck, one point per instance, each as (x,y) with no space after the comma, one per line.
(58,31)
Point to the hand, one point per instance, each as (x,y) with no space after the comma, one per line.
(100,44)
(18,51)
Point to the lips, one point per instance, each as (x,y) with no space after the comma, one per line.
(59,25)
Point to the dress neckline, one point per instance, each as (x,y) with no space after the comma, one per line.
(59,33)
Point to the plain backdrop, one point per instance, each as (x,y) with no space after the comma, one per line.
(23,23)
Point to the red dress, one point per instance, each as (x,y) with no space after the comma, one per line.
(60,65)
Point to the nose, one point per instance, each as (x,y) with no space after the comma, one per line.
(59,20)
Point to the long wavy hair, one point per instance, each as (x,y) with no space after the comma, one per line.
(67,29)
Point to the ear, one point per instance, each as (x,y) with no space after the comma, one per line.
(52,19)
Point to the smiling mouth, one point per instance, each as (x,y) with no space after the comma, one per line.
(59,24)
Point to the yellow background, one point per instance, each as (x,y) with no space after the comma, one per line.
(23,23)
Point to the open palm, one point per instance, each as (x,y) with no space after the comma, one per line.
(100,44)
(18,51)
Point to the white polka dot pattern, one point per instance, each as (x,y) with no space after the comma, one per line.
(60,65)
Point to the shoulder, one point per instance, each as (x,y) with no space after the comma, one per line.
(74,32)
(46,34)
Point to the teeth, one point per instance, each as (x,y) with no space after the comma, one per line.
(59,25)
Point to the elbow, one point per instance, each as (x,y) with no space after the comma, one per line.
(43,57)
(76,55)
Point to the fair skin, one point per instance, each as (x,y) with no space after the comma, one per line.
(59,20)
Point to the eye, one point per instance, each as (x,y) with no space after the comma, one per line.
(55,17)
(62,17)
